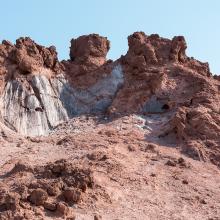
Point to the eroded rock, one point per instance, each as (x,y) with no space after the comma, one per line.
(72,195)
(154,77)
(38,197)
(91,49)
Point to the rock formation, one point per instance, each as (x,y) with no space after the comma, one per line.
(176,96)
(37,94)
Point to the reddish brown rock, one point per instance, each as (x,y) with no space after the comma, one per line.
(88,60)
(51,206)
(72,195)
(9,201)
(38,197)
(178,48)
(89,49)
(97,217)
(27,57)
(166,105)
(62,209)
(54,188)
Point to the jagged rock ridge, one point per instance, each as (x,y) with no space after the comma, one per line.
(37,95)
(109,136)
(155,76)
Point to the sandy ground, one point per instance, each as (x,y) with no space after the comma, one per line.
(137,175)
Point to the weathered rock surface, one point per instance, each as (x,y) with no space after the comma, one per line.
(38,96)
(35,192)
(38,104)
(155,76)
(89,49)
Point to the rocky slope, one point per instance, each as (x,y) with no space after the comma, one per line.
(99,136)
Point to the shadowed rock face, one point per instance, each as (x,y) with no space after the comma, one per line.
(95,99)
(155,77)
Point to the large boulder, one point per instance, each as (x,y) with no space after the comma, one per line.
(89,48)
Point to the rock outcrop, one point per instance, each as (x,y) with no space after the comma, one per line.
(155,77)
(37,94)
(27,57)
(89,49)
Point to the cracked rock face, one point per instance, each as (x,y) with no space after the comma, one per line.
(39,92)
(45,103)
(32,111)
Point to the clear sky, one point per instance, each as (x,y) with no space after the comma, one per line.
(55,22)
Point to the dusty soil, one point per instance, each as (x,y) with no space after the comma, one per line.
(120,167)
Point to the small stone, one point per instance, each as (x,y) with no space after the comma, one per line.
(12,201)
(54,189)
(181,160)
(38,197)
(151,147)
(38,211)
(72,195)
(50,206)
(202,201)
(132,148)
(62,209)
(182,163)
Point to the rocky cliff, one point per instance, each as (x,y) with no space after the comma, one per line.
(155,76)
(38,92)
(155,92)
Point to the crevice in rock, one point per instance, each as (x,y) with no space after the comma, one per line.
(166,107)
(38,109)
(37,94)
(9,125)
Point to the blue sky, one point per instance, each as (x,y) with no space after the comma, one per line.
(55,22)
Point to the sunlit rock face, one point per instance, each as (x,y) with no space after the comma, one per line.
(32,111)
(155,76)
(43,104)
(38,92)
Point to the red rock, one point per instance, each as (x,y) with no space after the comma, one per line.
(62,209)
(26,57)
(10,201)
(72,195)
(89,49)
(38,197)
(178,48)
(175,98)
(50,206)
(97,217)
